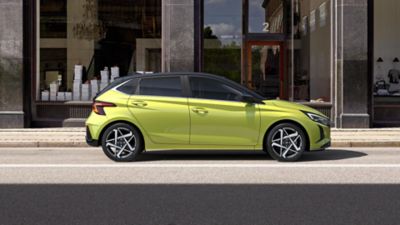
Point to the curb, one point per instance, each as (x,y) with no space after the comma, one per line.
(363,144)
(43,144)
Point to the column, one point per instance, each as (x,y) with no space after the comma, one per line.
(177,35)
(11,64)
(352,82)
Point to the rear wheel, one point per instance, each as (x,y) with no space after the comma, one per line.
(122,142)
(286,142)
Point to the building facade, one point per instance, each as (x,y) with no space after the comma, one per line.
(339,56)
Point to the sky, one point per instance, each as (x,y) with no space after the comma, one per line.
(225,18)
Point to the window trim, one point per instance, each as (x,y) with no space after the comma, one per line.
(160,77)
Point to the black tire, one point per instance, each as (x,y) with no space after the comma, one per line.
(297,144)
(135,142)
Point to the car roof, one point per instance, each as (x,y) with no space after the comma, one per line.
(139,75)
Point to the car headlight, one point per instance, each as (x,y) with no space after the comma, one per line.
(318,119)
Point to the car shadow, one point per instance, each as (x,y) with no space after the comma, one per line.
(195,155)
(218,155)
(331,155)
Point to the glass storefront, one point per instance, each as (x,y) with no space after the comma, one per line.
(223,38)
(312,50)
(81,40)
(386,48)
(283,47)
(386,64)
(280,48)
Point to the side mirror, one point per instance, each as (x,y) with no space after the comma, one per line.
(251,100)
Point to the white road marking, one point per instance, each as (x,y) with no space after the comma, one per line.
(5,166)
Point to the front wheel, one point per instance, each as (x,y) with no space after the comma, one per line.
(286,142)
(122,142)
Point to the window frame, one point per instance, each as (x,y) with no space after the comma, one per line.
(182,83)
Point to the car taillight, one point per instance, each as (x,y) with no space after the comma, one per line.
(98,107)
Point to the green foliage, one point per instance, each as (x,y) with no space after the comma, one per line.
(223,61)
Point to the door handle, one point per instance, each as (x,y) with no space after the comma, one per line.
(139,103)
(200,110)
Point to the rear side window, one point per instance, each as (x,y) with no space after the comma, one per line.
(161,86)
(129,87)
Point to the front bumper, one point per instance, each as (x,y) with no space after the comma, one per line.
(89,140)
(323,139)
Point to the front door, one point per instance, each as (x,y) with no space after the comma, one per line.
(218,117)
(162,110)
(265,68)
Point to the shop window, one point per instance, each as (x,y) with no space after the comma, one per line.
(386,59)
(94,42)
(312,64)
(222,38)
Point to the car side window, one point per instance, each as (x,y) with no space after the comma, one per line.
(129,87)
(161,86)
(213,89)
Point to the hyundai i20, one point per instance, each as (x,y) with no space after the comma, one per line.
(199,112)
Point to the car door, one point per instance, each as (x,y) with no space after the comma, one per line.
(217,115)
(161,109)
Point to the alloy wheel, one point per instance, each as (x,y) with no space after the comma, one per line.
(287,142)
(121,142)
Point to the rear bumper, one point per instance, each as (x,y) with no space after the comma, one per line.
(89,140)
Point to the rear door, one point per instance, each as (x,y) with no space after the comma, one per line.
(218,117)
(161,109)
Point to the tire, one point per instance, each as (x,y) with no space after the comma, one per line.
(286,142)
(128,146)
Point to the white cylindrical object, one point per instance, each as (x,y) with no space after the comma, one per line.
(104,75)
(78,71)
(68,96)
(45,96)
(115,71)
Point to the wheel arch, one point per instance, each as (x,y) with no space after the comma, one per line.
(287,121)
(121,121)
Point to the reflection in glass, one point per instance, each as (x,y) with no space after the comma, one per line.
(265,70)
(312,51)
(222,38)
(53,18)
(266,16)
(97,34)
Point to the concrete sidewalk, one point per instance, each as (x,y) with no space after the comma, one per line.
(75,137)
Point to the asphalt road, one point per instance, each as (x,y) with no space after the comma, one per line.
(81,186)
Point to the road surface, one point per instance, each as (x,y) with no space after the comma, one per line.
(81,186)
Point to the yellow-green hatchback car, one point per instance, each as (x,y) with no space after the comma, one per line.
(196,111)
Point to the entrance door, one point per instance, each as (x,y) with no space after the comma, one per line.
(265,68)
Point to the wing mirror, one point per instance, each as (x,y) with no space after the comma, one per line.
(251,100)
